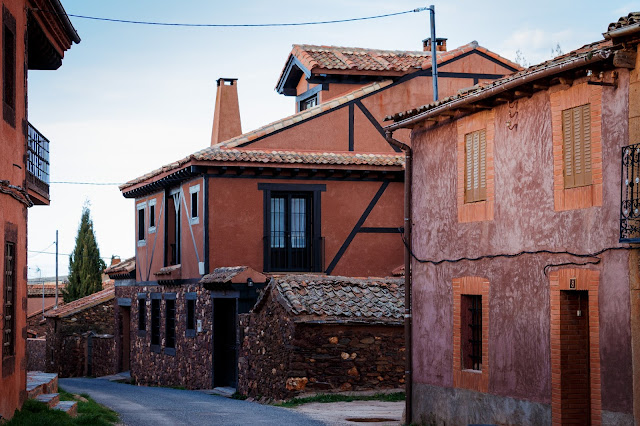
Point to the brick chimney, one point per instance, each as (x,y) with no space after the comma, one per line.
(441,44)
(226,118)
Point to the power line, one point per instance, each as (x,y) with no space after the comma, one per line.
(59,254)
(282,24)
(87,183)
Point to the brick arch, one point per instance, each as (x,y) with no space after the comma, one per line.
(585,280)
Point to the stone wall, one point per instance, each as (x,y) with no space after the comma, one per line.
(36,352)
(37,325)
(104,361)
(190,367)
(67,338)
(280,359)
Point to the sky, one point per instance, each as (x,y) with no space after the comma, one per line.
(131,98)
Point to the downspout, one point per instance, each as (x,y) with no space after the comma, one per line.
(408,375)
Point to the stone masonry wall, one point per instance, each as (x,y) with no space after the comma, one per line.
(191,365)
(66,338)
(104,359)
(36,352)
(280,359)
(264,355)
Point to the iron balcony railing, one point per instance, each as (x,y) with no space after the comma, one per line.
(293,252)
(630,195)
(38,159)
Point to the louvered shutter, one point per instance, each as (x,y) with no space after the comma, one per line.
(576,134)
(475,166)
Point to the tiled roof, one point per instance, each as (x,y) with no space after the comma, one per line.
(583,53)
(82,304)
(124,267)
(222,151)
(333,298)
(630,19)
(223,275)
(360,59)
(49,289)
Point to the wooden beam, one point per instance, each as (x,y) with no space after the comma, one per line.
(566,81)
(540,86)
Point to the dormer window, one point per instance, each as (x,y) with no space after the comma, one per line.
(309,102)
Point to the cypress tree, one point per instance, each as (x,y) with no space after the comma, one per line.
(85,263)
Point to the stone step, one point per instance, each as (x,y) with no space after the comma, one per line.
(39,383)
(51,399)
(69,407)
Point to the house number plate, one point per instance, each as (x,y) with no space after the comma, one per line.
(572,283)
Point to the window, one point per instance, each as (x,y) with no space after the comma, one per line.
(142,313)
(292,227)
(172,228)
(9,67)
(9,328)
(152,216)
(141,227)
(309,102)
(191,314)
(193,191)
(475,166)
(155,322)
(471,332)
(576,146)
(170,324)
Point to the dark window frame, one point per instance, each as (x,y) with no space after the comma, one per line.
(314,191)
(172,256)
(190,314)
(9,67)
(142,234)
(142,314)
(307,103)
(152,216)
(170,323)
(156,316)
(471,332)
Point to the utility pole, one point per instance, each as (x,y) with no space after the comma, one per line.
(56,307)
(434,60)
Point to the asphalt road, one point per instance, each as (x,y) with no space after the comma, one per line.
(138,405)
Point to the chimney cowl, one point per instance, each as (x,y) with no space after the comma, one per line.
(441,44)
(226,81)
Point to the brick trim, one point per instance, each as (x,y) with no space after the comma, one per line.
(588,280)
(584,196)
(470,379)
(482,210)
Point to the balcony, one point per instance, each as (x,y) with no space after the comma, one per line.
(37,166)
(630,195)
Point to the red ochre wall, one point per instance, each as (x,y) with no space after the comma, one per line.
(14,214)
(236,225)
(524,219)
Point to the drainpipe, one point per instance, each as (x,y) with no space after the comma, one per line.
(408,376)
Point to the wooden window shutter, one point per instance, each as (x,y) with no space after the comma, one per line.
(576,144)
(475,166)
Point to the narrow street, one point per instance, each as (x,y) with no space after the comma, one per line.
(138,405)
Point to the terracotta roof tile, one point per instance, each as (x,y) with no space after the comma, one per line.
(215,152)
(630,19)
(124,267)
(49,289)
(82,304)
(587,51)
(340,298)
(223,275)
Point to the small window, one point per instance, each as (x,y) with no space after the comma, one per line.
(9,328)
(471,332)
(309,103)
(475,165)
(576,146)
(152,216)
(194,216)
(9,67)
(141,224)
(155,322)
(170,324)
(191,314)
(142,313)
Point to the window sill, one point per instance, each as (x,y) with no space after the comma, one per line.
(478,211)
(190,333)
(170,351)
(142,243)
(194,220)
(152,230)
(142,333)
(155,348)
(580,197)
